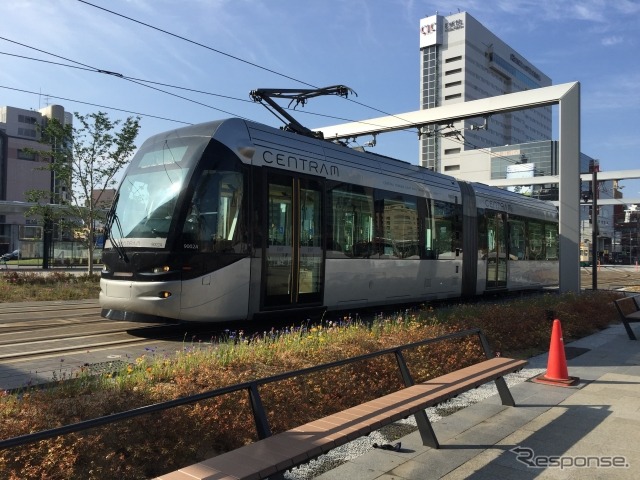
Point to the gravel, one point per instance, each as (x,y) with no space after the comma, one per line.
(391,433)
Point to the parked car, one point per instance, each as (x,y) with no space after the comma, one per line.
(15,255)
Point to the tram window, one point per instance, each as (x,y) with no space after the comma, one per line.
(166,155)
(483,238)
(351,222)
(536,240)
(517,239)
(551,241)
(310,202)
(397,226)
(213,221)
(148,203)
(446,233)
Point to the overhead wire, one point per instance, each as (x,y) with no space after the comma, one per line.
(196,43)
(150,83)
(145,82)
(97,105)
(89,68)
(465,142)
(118,75)
(85,67)
(153,82)
(234,57)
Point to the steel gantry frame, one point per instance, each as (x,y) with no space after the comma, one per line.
(566,96)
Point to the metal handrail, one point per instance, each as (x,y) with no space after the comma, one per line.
(251,386)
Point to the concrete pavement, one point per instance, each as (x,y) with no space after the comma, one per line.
(591,430)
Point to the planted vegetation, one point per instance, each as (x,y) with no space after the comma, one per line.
(154,444)
(38,286)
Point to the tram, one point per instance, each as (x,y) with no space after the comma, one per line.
(585,255)
(232,220)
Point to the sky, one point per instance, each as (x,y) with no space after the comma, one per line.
(210,54)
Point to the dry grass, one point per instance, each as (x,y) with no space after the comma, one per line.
(39,286)
(154,444)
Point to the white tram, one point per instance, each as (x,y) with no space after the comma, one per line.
(231,219)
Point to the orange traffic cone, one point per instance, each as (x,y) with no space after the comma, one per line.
(557,373)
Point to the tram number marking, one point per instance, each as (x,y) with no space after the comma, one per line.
(190,246)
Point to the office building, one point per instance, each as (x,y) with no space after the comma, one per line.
(21,170)
(461,60)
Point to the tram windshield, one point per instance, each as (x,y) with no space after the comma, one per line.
(148,196)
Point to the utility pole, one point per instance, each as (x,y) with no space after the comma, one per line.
(594,226)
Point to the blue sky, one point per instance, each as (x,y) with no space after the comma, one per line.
(371,46)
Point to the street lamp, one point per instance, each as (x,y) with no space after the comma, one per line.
(594,225)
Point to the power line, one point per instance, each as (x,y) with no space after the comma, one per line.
(97,105)
(197,43)
(438,131)
(125,77)
(89,68)
(234,57)
(149,83)
(119,75)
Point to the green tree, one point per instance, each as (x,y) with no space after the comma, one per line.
(84,161)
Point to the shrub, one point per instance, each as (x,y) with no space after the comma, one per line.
(155,444)
(17,286)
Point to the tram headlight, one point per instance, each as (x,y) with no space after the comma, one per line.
(164,294)
(163,269)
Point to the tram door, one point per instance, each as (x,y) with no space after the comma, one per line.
(497,250)
(293,272)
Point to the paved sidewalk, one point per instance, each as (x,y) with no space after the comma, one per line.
(585,429)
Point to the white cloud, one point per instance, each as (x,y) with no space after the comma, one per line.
(614,93)
(613,40)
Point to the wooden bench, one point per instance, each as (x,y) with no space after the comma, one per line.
(270,456)
(629,310)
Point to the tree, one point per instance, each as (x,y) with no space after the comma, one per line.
(84,161)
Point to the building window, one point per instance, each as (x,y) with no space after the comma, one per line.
(452,168)
(452,72)
(453,59)
(27,132)
(453,84)
(27,232)
(451,97)
(451,151)
(26,155)
(27,119)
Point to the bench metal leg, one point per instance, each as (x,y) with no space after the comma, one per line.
(276,476)
(627,327)
(426,430)
(504,392)
(424,425)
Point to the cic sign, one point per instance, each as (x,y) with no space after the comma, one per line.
(431,30)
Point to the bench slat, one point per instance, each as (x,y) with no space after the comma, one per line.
(193,472)
(298,445)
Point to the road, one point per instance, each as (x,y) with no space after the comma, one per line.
(611,277)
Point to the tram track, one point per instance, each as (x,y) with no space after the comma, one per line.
(39,330)
(17,346)
(611,278)
(41,339)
